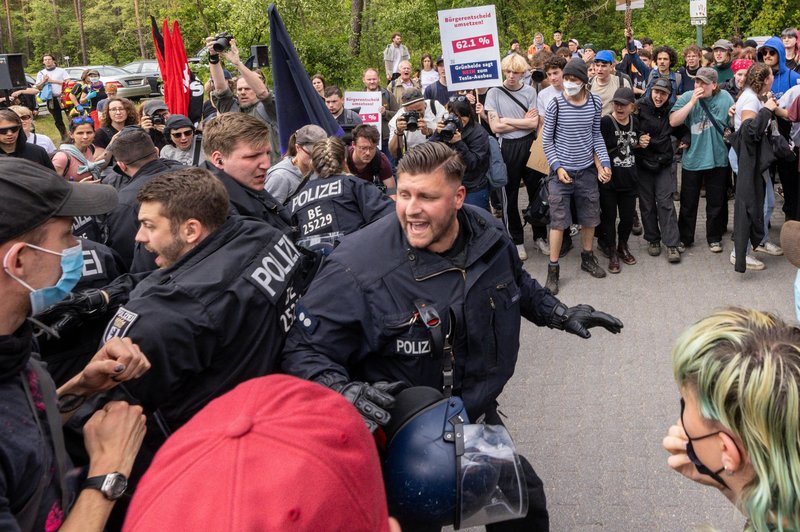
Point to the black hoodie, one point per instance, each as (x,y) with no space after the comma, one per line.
(31,152)
(655,121)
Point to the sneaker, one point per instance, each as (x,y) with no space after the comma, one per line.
(542,245)
(589,264)
(770,249)
(654,249)
(637,224)
(552,278)
(681,247)
(673,255)
(715,247)
(604,249)
(752,262)
(574,229)
(521,252)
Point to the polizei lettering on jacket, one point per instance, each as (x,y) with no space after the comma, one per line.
(272,271)
(412,347)
(321,191)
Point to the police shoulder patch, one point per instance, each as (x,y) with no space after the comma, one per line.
(306,319)
(120,324)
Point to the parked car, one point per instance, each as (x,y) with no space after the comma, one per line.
(149,68)
(131,86)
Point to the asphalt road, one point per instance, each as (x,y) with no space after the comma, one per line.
(590,414)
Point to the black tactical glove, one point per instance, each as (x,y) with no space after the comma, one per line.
(72,311)
(579,319)
(371,400)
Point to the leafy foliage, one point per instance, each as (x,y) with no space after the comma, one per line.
(321,28)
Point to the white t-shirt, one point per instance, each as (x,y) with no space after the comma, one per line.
(56,78)
(748,101)
(544,98)
(427,77)
(786,100)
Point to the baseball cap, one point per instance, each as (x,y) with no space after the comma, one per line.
(310,134)
(790,241)
(440,59)
(411,96)
(151,106)
(605,55)
(589,46)
(32,194)
(624,95)
(724,44)
(707,75)
(662,84)
(575,42)
(275,453)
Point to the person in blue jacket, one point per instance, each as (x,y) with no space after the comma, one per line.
(433,296)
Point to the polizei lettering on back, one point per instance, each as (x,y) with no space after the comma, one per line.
(321,191)
(273,271)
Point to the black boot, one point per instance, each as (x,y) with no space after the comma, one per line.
(589,264)
(552,278)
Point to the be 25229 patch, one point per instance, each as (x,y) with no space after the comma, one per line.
(120,324)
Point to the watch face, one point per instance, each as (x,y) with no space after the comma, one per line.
(114,486)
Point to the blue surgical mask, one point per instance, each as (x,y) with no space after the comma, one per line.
(71,270)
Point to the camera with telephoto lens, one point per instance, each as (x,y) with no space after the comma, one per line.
(222,41)
(411,118)
(451,124)
(158,120)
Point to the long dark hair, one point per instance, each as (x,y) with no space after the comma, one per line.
(463,108)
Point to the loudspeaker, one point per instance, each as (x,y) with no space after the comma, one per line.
(261,54)
(12,73)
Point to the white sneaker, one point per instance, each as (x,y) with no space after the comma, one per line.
(544,247)
(752,262)
(770,249)
(521,252)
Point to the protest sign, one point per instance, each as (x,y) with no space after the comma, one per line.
(469,47)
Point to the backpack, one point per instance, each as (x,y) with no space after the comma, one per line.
(497,174)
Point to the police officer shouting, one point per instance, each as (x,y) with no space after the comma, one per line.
(441,308)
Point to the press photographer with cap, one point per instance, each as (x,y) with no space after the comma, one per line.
(42,262)
(413,123)
(153,120)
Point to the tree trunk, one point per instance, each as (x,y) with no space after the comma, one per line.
(356,11)
(56,21)
(139,34)
(81,33)
(8,25)
(203,19)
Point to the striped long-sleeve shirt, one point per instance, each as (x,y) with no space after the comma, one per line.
(571,134)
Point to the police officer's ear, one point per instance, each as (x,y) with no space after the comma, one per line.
(193,231)
(461,194)
(217,159)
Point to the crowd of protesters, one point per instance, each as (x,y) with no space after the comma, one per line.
(205,238)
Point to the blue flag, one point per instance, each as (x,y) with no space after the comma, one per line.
(297,102)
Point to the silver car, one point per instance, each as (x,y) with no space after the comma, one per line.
(131,86)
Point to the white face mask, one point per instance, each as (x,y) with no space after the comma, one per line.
(572,88)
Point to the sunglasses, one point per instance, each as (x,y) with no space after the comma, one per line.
(83,120)
(7,130)
(768,51)
(458,99)
(181,134)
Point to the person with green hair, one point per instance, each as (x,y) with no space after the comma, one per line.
(738,371)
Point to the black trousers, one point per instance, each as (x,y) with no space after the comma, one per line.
(54,108)
(787,171)
(515,155)
(716,182)
(612,202)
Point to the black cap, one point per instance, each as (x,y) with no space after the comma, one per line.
(624,95)
(576,67)
(32,194)
(440,59)
(662,84)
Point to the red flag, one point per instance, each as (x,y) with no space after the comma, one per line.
(175,72)
(158,42)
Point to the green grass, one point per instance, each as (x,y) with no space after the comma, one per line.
(45,126)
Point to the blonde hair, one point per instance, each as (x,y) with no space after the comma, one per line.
(328,157)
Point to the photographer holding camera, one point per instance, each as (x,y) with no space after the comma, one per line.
(412,125)
(154,114)
(460,129)
(252,95)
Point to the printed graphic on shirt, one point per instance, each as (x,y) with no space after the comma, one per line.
(120,324)
(272,271)
(623,154)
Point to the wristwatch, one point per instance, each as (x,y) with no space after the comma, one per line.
(112,486)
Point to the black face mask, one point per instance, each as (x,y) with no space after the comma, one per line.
(700,466)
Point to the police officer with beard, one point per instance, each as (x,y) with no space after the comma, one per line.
(441,307)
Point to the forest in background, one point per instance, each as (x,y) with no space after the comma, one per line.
(339,38)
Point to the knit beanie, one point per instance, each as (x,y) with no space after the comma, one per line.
(576,67)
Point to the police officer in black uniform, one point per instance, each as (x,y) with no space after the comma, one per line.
(237,148)
(335,203)
(434,300)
